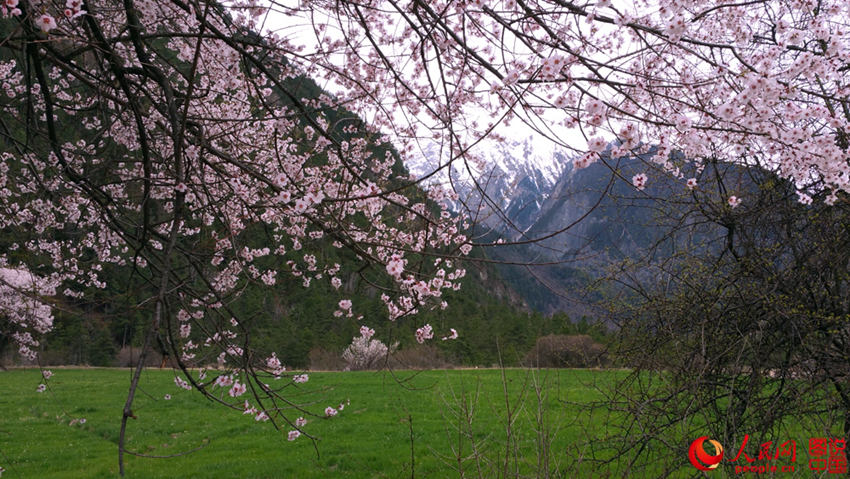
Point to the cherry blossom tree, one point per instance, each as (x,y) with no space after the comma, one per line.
(751,82)
(365,352)
(170,139)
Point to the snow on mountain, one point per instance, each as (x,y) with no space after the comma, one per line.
(503,183)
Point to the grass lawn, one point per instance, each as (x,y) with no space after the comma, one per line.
(437,413)
(371,438)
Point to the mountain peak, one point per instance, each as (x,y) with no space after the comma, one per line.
(506,177)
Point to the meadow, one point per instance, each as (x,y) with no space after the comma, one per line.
(399,424)
(473,423)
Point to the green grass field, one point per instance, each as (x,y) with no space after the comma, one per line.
(371,438)
(436,413)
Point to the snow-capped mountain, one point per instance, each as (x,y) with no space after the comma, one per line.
(503,183)
(568,224)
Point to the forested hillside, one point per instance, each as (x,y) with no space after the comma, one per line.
(106,328)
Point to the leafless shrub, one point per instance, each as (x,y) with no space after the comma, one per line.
(323,360)
(425,356)
(559,351)
(740,336)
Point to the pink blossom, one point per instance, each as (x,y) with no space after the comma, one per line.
(395,266)
(273,363)
(293,435)
(452,335)
(421,288)
(46,23)
(315,197)
(629,135)
(639,181)
(424,333)
(733,201)
(681,122)
(330,412)
(41,388)
(726,111)
(237,390)
(675,28)
(692,183)
(300,422)
(167,397)
(595,107)
(345,304)
(366,331)
(301,205)
(181,383)
(552,67)
(511,77)
(597,144)
(596,120)
(300,378)
(224,381)
(581,162)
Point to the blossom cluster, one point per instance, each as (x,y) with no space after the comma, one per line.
(365,352)
(186,141)
(24,308)
(742,82)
